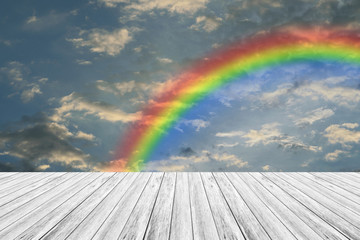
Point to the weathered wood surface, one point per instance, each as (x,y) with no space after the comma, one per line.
(180,205)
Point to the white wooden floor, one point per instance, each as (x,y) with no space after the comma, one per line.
(179,206)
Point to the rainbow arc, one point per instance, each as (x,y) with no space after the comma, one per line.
(221,67)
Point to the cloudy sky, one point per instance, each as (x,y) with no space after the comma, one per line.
(74,75)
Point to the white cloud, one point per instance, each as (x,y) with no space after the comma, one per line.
(141,88)
(103,41)
(229,145)
(119,88)
(343,134)
(31,19)
(28,94)
(16,73)
(313,116)
(85,136)
(14,70)
(230,160)
(83,62)
(196,123)
(43,167)
(112,3)
(164,60)
(266,168)
(43,80)
(269,134)
(38,23)
(6,42)
(333,156)
(74,102)
(200,162)
(206,23)
(171,168)
(323,89)
(307,162)
(230,134)
(182,7)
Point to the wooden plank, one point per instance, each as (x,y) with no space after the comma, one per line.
(160,221)
(247,222)
(180,206)
(12,177)
(333,187)
(203,222)
(344,180)
(181,222)
(297,227)
(26,202)
(64,219)
(5,175)
(26,206)
(320,226)
(89,226)
(22,185)
(337,182)
(12,195)
(74,194)
(272,225)
(226,224)
(327,199)
(114,224)
(18,178)
(137,223)
(326,214)
(328,193)
(354,178)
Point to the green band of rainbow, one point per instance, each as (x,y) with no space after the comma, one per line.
(232,63)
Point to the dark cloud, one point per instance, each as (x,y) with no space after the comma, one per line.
(7,167)
(186,152)
(36,141)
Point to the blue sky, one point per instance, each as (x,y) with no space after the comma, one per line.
(74,74)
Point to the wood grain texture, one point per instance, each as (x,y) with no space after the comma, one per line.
(21,206)
(17,179)
(114,224)
(29,184)
(332,217)
(337,182)
(225,222)
(28,214)
(295,224)
(181,222)
(274,227)
(51,220)
(248,223)
(5,175)
(320,226)
(341,192)
(73,219)
(351,176)
(90,225)
(160,221)
(31,187)
(204,226)
(324,197)
(180,205)
(137,223)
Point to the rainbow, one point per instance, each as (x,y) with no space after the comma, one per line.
(230,63)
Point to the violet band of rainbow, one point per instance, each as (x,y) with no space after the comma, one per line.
(220,68)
